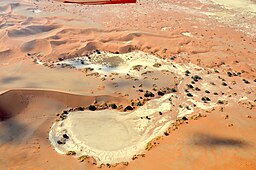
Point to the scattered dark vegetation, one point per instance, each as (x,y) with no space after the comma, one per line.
(229,74)
(207,91)
(197,89)
(139,104)
(173,58)
(166,133)
(189,95)
(157,65)
(187,72)
(184,118)
(173,90)
(82,158)
(113,106)
(80,109)
(61,141)
(206,99)
(71,153)
(220,102)
(149,94)
(148,118)
(65,112)
(224,84)
(246,81)
(63,116)
(196,78)
(65,136)
(160,93)
(128,108)
(190,86)
(92,108)
(98,51)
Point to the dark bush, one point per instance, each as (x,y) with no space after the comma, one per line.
(173,90)
(189,95)
(184,118)
(65,136)
(92,108)
(149,94)
(207,91)
(197,89)
(160,93)
(128,108)
(113,106)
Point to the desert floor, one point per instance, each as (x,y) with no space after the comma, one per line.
(212,39)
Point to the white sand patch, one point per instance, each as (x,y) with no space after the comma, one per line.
(133,63)
(248,5)
(37,60)
(188,34)
(166,28)
(36,11)
(111,136)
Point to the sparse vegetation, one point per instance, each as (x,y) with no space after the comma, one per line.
(71,153)
(113,106)
(148,118)
(206,99)
(65,112)
(189,95)
(80,109)
(61,142)
(173,90)
(246,81)
(229,74)
(65,136)
(149,146)
(184,118)
(220,102)
(160,93)
(224,84)
(166,133)
(190,86)
(128,108)
(187,72)
(197,89)
(82,158)
(157,65)
(139,104)
(92,108)
(149,94)
(196,78)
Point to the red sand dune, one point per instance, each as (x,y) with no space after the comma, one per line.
(93,2)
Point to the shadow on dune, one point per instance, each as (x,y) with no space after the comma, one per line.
(206,140)
(9,80)
(31,30)
(22,112)
(14,102)
(11,131)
